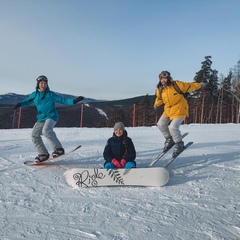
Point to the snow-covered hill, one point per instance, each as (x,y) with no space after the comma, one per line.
(201,200)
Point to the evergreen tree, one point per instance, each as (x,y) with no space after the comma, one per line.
(224,110)
(226,88)
(213,85)
(236,89)
(204,74)
(207,97)
(236,73)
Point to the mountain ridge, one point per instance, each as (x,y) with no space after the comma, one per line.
(14,98)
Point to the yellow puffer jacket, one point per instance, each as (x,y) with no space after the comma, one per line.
(175,105)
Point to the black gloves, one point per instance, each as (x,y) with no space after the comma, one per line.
(17,106)
(78,99)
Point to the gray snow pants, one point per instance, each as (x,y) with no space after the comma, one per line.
(171,129)
(45,128)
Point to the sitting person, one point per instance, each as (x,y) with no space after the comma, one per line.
(119,151)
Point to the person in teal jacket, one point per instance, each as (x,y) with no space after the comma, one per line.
(47,117)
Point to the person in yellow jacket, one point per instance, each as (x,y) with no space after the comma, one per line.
(175,108)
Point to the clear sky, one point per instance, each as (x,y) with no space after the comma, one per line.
(113,49)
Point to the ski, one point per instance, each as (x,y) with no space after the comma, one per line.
(163,153)
(36,163)
(174,157)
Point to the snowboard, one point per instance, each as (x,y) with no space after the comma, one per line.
(100,177)
(35,163)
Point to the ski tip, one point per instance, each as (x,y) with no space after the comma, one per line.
(188,144)
(76,148)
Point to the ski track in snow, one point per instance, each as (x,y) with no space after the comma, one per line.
(200,201)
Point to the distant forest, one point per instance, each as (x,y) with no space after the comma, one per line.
(218,102)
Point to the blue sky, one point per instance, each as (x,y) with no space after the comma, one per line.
(113,49)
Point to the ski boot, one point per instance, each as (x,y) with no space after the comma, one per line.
(178,148)
(168,144)
(42,157)
(58,152)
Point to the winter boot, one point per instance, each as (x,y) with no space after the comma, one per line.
(168,144)
(42,157)
(58,152)
(178,148)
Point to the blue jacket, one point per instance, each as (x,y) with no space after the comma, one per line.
(119,148)
(45,104)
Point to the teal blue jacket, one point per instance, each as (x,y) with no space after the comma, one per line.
(45,104)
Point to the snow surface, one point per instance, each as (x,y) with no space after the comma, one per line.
(200,201)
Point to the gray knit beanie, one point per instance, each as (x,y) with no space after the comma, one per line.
(119,125)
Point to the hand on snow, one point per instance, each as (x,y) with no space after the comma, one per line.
(78,99)
(17,106)
(116,163)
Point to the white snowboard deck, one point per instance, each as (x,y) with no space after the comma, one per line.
(97,177)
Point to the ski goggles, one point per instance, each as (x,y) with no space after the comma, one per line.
(164,75)
(42,78)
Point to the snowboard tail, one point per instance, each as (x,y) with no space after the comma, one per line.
(98,177)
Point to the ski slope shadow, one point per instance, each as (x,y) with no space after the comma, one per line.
(192,168)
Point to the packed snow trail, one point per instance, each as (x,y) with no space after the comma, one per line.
(200,201)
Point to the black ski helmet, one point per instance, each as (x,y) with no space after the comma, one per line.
(42,78)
